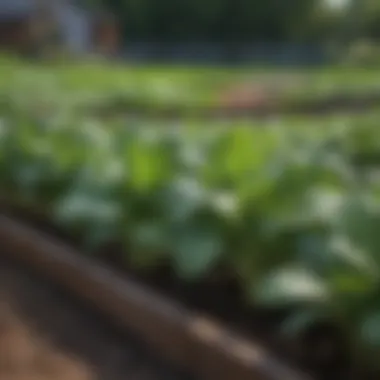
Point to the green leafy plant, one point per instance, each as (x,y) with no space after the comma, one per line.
(283,209)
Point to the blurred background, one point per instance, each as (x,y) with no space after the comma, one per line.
(231,148)
(236,43)
(216,31)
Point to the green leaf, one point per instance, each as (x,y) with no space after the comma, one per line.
(98,233)
(352,284)
(346,254)
(324,203)
(183,197)
(148,243)
(299,322)
(289,286)
(150,235)
(225,204)
(196,251)
(192,157)
(314,251)
(360,220)
(78,208)
(370,330)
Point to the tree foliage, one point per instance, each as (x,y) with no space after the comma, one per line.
(243,20)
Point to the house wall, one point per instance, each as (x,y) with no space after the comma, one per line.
(13,24)
(73,24)
(11,8)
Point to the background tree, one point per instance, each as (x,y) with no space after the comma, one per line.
(246,20)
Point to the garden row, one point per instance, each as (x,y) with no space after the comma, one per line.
(288,213)
(109,89)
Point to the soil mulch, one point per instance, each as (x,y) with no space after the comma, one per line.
(46,335)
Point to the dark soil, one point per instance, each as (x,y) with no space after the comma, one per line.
(46,335)
(322,351)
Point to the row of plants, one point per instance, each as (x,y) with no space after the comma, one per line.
(290,211)
(116,87)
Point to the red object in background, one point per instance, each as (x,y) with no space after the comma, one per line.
(245,97)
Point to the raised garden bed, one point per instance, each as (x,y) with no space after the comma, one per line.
(255,99)
(244,107)
(233,224)
(186,337)
(241,108)
(47,334)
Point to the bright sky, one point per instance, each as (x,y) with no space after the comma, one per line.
(337,4)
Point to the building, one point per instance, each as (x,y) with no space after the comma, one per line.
(27,25)
(14,16)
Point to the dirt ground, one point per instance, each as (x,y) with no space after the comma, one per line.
(45,335)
